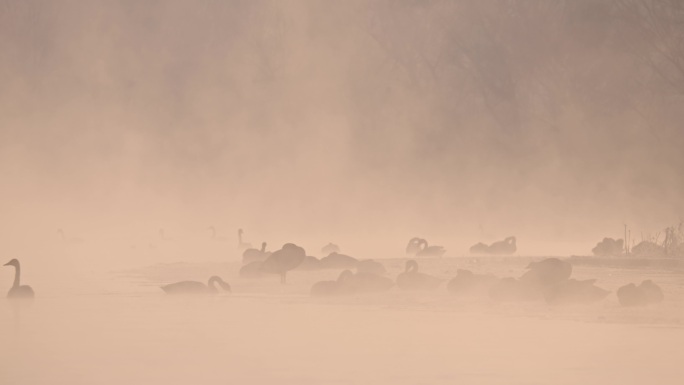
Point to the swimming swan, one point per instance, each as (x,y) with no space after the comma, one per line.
(18,290)
(194,287)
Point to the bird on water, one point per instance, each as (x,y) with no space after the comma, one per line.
(18,290)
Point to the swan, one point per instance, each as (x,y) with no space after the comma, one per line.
(547,272)
(413,246)
(507,246)
(429,251)
(18,290)
(336,260)
(310,263)
(280,262)
(242,245)
(369,283)
(370,266)
(575,291)
(466,282)
(411,279)
(252,270)
(252,254)
(330,248)
(332,288)
(215,236)
(194,287)
(645,294)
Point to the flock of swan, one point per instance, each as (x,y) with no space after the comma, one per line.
(547,280)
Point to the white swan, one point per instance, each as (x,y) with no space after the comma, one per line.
(194,287)
(411,279)
(18,290)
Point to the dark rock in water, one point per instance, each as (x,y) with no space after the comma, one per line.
(338,261)
(645,294)
(370,266)
(609,247)
(467,282)
(573,291)
(547,272)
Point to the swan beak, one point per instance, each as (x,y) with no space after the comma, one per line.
(7,264)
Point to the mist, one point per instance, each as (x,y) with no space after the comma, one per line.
(135,135)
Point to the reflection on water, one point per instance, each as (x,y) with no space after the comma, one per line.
(264,333)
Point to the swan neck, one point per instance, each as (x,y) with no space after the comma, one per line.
(17,275)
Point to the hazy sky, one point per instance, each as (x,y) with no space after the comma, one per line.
(364,121)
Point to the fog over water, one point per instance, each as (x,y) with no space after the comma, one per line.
(137,137)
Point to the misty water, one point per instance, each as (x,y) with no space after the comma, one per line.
(125,329)
(137,137)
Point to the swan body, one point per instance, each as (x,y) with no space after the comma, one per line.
(411,279)
(645,294)
(418,247)
(194,287)
(330,248)
(547,272)
(18,290)
(370,266)
(507,246)
(369,283)
(310,263)
(252,254)
(252,270)
(467,282)
(336,260)
(280,262)
(575,291)
(332,288)
(413,246)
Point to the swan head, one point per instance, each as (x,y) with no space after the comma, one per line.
(411,265)
(14,262)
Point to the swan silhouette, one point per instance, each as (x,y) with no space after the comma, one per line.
(370,266)
(429,251)
(507,246)
(336,260)
(575,291)
(280,262)
(467,282)
(330,248)
(18,290)
(242,245)
(195,287)
(214,234)
(332,288)
(414,246)
(411,279)
(645,294)
(253,255)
